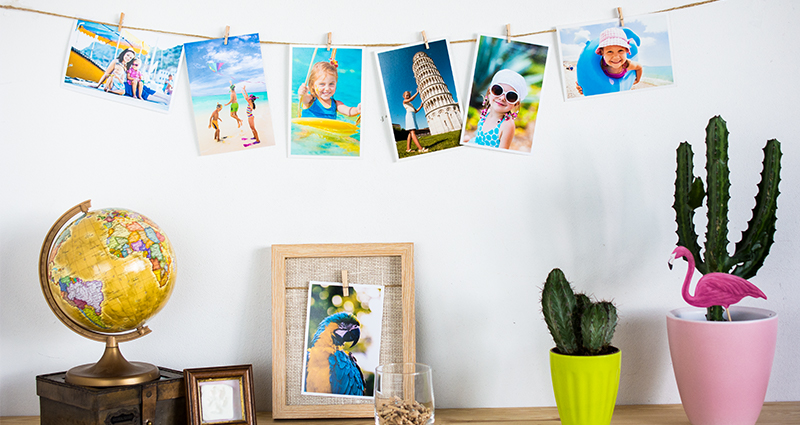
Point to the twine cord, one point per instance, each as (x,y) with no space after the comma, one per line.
(287,43)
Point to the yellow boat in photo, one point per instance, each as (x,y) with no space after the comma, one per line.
(81,67)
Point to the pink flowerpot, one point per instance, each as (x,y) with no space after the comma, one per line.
(722,368)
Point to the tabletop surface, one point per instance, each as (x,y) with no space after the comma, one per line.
(772,414)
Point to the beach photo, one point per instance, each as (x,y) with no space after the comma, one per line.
(325,102)
(420,97)
(507,81)
(604,58)
(138,68)
(229,94)
(343,339)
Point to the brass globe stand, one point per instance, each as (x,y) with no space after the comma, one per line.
(112,369)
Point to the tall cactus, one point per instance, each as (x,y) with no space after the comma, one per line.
(756,240)
(578,325)
(558,303)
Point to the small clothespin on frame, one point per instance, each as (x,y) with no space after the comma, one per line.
(330,35)
(345,284)
(621,17)
(227,32)
(121,20)
(425,39)
(508,33)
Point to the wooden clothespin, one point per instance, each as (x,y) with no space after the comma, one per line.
(621,17)
(121,19)
(425,39)
(345,284)
(508,33)
(329,41)
(227,32)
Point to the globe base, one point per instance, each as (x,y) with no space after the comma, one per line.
(112,370)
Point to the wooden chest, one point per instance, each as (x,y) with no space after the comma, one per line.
(161,402)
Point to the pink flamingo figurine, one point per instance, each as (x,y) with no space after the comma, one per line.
(714,288)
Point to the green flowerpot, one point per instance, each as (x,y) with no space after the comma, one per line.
(585,387)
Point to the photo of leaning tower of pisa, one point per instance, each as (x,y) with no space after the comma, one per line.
(441,110)
(421,98)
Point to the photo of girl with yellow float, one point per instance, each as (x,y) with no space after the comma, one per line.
(325,102)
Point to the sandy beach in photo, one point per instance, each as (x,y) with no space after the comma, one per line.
(233,137)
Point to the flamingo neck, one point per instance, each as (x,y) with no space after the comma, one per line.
(689,273)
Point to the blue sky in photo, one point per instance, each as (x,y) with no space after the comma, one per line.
(241,63)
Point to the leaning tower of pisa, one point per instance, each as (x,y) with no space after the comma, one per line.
(441,111)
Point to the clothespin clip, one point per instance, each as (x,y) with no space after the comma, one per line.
(329,41)
(508,33)
(345,284)
(227,32)
(425,39)
(621,18)
(121,19)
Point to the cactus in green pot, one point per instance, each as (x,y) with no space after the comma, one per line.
(690,193)
(578,325)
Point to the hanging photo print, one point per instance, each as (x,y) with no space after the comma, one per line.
(343,339)
(504,96)
(421,99)
(229,94)
(603,58)
(134,67)
(325,102)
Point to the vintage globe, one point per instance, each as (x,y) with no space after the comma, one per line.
(104,274)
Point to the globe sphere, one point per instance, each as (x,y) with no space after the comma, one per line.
(111,270)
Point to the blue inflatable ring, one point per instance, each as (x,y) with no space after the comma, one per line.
(591,77)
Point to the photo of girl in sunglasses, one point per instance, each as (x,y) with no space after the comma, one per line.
(504,98)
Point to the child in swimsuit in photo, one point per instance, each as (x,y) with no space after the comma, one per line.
(411,121)
(317,97)
(213,122)
(135,78)
(116,73)
(614,49)
(251,105)
(168,85)
(500,106)
(234,105)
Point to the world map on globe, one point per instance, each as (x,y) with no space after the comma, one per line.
(110,270)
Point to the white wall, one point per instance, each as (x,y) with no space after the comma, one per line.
(594,198)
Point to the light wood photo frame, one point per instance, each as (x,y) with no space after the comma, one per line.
(293,267)
(220,395)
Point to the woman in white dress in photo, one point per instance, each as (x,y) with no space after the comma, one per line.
(411,121)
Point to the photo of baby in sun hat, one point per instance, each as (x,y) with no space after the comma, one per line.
(605,58)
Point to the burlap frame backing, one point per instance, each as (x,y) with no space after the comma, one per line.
(366,265)
(384,271)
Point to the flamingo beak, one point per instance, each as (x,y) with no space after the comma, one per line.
(671,260)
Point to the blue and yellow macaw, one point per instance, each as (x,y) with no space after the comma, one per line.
(329,368)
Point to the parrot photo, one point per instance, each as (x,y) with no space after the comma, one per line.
(329,368)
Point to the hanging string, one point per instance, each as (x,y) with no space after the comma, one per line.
(286,43)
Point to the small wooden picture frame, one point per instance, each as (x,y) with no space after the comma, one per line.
(293,267)
(220,395)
